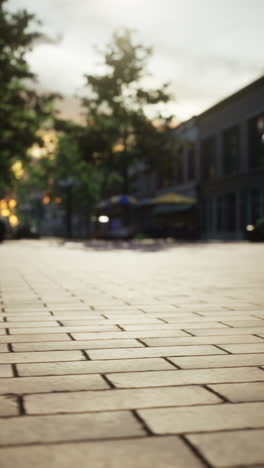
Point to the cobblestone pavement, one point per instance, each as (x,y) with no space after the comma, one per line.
(151,357)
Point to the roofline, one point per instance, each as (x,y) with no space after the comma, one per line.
(234,96)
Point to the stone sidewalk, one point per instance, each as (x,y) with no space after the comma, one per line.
(117,358)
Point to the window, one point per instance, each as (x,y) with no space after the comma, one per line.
(208,159)
(256,142)
(219,214)
(230,207)
(191,163)
(179,166)
(243,208)
(209,214)
(255,199)
(231,150)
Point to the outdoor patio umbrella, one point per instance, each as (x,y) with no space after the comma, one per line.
(172,198)
(123,200)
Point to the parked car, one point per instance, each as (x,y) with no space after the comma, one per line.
(255,233)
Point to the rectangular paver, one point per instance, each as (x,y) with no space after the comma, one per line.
(48,356)
(185,377)
(171,326)
(204,418)
(244,348)
(56,428)
(8,406)
(88,344)
(246,448)
(249,391)
(45,384)
(207,362)
(154,352)
(93,367)
(118,399)
(154,452)
(6,370)
(60,329)
(225,331)
(197,340)
(126,334)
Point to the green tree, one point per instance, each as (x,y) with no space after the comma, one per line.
(22,109)
(63,176)
(119,131)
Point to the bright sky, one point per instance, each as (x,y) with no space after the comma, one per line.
(207,49)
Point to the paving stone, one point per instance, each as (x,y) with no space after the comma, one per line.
(81,315)
(68,383)
(153,352)
(5,371)
(154,452)
(225,331)
(185,377)
(229,360)
(231,315)
(8,406)
(34,338)
(245,348)
(55,428)
(88,344)
(236,392)
(30,318)
(48,356)
(3,348)
(33,324)
(25,310)
(97,328)
(119,320)
(197,299)
(93,367)
(180,325)
(244,323)
(204,418)
(220,449)
(126,334)
(118,400)
(197,340)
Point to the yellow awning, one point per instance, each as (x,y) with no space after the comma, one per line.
(172,198)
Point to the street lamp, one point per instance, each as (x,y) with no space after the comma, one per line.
(103,219)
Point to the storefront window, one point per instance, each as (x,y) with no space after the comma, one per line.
(231,149)
(208,159)
(191,163)
(230,206)
(243,209)
(219,214)
(255,202)
(256,142)
(179,166)
(209,215)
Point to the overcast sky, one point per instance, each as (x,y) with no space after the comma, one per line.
(207,48)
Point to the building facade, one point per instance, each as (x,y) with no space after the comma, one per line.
(230,152)
(220,162)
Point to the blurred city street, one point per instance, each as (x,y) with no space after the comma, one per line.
(144,354)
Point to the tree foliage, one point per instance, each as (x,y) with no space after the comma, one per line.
(119,131)
(22,109)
